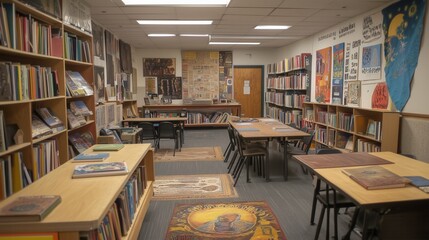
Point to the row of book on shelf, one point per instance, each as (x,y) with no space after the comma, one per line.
(25,32)
(25,82)
(292,100)
(285,116)
(285,65)
(16,174)
(298,81)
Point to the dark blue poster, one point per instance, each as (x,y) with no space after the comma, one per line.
(402,26)
(338,74)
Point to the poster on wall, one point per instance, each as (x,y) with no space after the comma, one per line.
(151,84)
(225,74)
(370,64)
(380,96)
(353,93)
(98,39)
(170,86)
(338,74)
(159,67)
(352,60)
(99,84)
(323,75)
(372,27)
(402,26)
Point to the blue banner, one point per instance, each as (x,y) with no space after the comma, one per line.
(402,26)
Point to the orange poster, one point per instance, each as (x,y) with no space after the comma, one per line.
(323,75)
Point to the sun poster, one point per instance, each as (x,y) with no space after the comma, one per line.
(323,75)
(402,26)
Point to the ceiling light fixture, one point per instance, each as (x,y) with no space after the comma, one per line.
(254,37)
(234,43)
(174,22)
(272,27)
(194,35)
(161,35)
(178,2)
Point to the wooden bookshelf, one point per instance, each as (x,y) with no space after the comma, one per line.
(234,109)
(288,87)
(335,125)
(86,201)
(19,110)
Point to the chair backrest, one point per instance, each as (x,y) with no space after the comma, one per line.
(148,130)
(305,142)
(292,124)
(238,142)
(166,130)
(327,151)
(231,136)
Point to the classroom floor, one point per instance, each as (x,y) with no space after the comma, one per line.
(290,201)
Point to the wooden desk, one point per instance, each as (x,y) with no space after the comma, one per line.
(265,131)
(85,201)
(382,198)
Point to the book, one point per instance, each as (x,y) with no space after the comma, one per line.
(108,147)
(376,177)
(3,137)
(80,82)
(50,119)
(5,82)
(29,208)
(284,129)
(39,128)
(80,108)
(72,120)
(100,169)
(247,129)
(90,157)
(418,181)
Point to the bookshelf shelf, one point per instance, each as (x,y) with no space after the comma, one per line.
(288,87)
(31,93)
(339,126)
(196,112)
(77,215)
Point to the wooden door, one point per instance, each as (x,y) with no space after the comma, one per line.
(248,89)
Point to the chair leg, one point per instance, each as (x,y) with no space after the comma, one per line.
(352,224)
(228,153)
(314,205)
(239,170)
(231,163)
(328,211)
(319,225)
(247,170)
(336,211)
(238,166)
(227,148)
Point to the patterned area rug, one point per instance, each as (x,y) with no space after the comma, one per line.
(236,220)
(178,187)
(190,154)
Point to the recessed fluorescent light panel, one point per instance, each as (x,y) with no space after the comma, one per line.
(161,35)
(175,22)
(234,43)
(272,27)
(178,2)
(194,35)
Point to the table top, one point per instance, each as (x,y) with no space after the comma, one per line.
(266,128)
(402,166)
(160,119)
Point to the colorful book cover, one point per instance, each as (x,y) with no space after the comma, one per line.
(376,177)
(108,147)
(100,169)
(29,208)
(94,157)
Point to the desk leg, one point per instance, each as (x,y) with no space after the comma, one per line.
(267,161)
(285,160)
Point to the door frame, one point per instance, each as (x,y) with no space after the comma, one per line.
(262,67)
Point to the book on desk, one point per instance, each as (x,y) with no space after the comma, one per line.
(375,177)
(100,169)
(29,208)
(90,157)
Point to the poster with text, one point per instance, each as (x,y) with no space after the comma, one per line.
(353,93)
(159,67)
(323,75)
(370,64)
(338,74)
(170,87)
(151,84)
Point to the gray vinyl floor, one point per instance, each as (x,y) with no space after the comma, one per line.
(290,201)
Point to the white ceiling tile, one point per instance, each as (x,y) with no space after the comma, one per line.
(148,10)
(305,4)
(255,3)
(282,20)
(249,11)
(294,12)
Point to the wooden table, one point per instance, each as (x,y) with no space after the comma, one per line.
(377,199)
(264,129)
